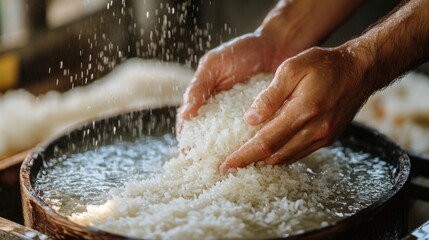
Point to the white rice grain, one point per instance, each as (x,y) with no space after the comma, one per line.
(192,200)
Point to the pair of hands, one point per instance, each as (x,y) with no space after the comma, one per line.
(316,94)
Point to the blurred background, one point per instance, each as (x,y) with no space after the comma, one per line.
(60,44)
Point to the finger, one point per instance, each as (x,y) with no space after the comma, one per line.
(269,139)
(300,154)
(316,134)
(245,155)
(298,147)
(312,148)
(198,92)
(272,98)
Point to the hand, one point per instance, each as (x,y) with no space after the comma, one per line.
(288,29)
(228,64)
(313,96)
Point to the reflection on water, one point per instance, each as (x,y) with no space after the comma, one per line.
(74,180)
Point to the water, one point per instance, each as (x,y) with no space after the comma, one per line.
(363,179)
(72,181)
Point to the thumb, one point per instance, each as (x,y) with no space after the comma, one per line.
(197,93)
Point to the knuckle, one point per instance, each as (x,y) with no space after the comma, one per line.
(325,134)
(316,50)
(288,67)
(325,130)
(264,101)
(313,111)
(266,148)
(309,113)
(264,145)
(273,160)
(316,109)
(292,70)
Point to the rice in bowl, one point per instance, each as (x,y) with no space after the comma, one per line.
(190,199)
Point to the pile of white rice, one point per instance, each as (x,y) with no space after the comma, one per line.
(27,120)
(401,111)
(192,200)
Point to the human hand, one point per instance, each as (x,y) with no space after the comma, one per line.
(233,62)
(314,96)
(288,29)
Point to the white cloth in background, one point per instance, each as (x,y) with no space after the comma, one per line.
(26,120)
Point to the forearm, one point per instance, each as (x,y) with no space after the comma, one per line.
(295,25)
(395,45)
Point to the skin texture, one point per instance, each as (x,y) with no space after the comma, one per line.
(317,92)
(308,117)
(291,27)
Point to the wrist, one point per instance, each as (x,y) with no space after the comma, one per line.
(296,25)
(285,28)
(363,60)
(394,45)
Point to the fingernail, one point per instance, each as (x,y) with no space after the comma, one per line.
(224,167)
(252,117)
